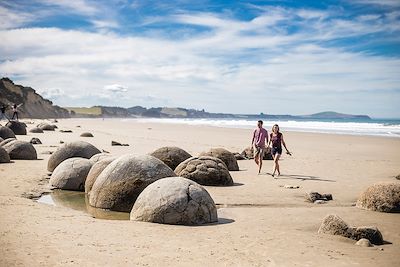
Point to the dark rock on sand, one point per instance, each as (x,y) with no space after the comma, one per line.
(35,141)
(239,156)
(172,156)
(248,153)
(36,130)
(334,225)
(227,157)
(121,182)
(20,150)
(96,169)
(6,132)
(314,196)
(175,200)
(115,143)
(65,131)
(205,171)
(4,157)
(71,174)
(17,127)
(69,150)
(86,134)
(383,197)
(398,177)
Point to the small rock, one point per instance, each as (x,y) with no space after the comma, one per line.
(314,196)
(319,201)
(61,142)
(86,134)
(291,186)
(115,143)
(65,131)
(363,242)
(35,141)
(398,177)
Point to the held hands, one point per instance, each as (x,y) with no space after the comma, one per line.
(289,153)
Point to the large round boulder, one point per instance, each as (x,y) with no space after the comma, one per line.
(71,174)
(4,157)
(227,157)
(383,197)
(36,130)
(17,127)
(6,132)
(205,171)
(121,182)
(95,171)
(100,156)
(20,150)
(175,200)
(78,149)
(6,141)
(171,155)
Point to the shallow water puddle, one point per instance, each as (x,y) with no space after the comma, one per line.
(78,201)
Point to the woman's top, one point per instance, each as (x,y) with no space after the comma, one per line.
(276,140)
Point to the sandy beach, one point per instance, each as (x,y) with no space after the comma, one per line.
(262,223)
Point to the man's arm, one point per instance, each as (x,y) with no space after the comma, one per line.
(252,140)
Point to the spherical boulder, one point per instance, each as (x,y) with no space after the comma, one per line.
(17,127)
(174,200)
(86,134)
(79,149)
(100,156)
(6,132)
(227,157)
(171,155)
(71,174)
(46,127)
(383,197)
(95,171)
(20,150)
(205,171)
(4,157)
(121,182)
(36,130)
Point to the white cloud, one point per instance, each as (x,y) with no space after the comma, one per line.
(116,88)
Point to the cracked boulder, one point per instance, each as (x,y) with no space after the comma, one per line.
(383,197)
(4,157)
(175,200)
(17,127)
(96,169)
(6,141)
(334,225)
(205,171)
(172,156)
(20,150)
(227,157)
(6,132)
(78,149)
(71,174)
(121,182)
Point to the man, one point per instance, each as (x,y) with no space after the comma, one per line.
(260,137)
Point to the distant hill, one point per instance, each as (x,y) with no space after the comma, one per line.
(34,106)
(335,115)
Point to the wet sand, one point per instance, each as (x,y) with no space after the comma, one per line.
(261,222)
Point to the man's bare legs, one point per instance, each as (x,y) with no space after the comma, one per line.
(258,160)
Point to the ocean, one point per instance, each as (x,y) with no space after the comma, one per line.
(374,127)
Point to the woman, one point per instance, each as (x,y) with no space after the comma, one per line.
(15,111)
(276,139)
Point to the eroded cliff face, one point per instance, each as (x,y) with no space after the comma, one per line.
(34,105)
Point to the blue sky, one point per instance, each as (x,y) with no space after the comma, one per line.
(276,57)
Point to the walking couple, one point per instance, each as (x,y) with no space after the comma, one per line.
(275,142)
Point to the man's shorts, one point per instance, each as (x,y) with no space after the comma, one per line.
(259,152)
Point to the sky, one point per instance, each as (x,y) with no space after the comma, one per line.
(275,57)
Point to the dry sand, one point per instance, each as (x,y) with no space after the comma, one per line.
(262,224)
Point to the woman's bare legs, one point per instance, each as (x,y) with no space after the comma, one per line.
(276,165)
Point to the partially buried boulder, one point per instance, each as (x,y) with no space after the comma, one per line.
(35,141)
(170,155)
(46,127)
(20,150)
(4,157)
(71,174)
(205,171)
(227,157)
(36,130)
(175,200)
(383,197)
(69,150)
(95,171)
(86,134)
(121,182)
(17,127)
(334,225)
(249,153)
(6,132)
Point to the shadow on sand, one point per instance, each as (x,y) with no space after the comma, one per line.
(302,177)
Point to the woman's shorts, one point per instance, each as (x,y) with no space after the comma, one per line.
(276,150)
